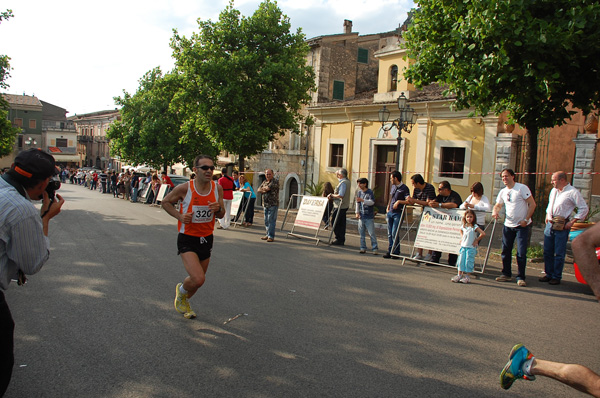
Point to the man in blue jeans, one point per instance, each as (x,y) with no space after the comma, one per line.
(365,200)
(563,199)
(270,198)
(399,194)
(520,205)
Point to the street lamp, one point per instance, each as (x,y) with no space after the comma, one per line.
(30,141)
(405,122)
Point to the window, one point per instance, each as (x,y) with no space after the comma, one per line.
(18,122)
(393,78)
(338,90)
(32,123)
(336,155)
(61,142)
(452,162)
(363,56)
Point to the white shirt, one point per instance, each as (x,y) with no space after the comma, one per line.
(482,206)
(562,203)
(515,200)
(469,234)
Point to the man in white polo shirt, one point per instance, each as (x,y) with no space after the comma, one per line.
(519,207)
(563,199)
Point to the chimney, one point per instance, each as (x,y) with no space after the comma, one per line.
(347,26)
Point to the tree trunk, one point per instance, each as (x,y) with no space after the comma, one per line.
(531,180)
(241,164)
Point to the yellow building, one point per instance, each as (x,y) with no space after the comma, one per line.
(443,144)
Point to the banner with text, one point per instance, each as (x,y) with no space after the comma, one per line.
(236,202)
(439,230)
(311,212)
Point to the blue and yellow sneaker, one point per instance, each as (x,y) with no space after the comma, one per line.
(513,370)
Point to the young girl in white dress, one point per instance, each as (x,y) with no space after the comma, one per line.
(468,247)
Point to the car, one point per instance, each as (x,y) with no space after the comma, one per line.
(177,179)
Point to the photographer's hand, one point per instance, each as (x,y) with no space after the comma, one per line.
(50,209)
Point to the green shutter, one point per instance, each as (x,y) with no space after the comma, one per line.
(338,90)
(363,56)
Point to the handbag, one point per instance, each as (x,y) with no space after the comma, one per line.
(558,223)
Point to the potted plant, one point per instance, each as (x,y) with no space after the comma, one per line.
(586,223)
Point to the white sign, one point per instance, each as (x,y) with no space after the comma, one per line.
(311,212)
(439,230)
(236,202)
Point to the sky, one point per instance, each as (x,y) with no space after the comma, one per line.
(79,55)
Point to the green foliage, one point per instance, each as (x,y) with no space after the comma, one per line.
(528,57)
(314,189)
(150,130)
(8,133)
(245,79)
(533,251)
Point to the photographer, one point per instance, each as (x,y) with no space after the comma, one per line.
(24,244)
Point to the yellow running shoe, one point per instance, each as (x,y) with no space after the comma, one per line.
(181,301)
(190,314)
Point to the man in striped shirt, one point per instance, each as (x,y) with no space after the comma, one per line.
(24,245)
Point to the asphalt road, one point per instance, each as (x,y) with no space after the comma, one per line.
(98,320)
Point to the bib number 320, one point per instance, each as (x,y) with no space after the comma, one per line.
(202,214)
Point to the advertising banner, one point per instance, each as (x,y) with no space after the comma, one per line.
(236,202)
(311,212)
(439,230)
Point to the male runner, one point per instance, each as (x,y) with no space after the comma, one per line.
(201,201)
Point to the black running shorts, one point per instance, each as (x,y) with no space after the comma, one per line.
(202,246)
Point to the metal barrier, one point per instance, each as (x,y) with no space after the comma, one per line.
(319,229)
(414,227)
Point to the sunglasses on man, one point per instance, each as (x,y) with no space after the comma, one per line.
(205,167)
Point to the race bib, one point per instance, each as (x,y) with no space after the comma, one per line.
(202,214)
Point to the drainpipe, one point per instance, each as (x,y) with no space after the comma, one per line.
(306,159)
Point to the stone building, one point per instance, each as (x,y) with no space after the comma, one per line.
(59,136)
(92,143)
(24,112)
(345,69)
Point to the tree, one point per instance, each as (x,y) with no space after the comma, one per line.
(246,77)
(8,133)
(531,58)
(150,130)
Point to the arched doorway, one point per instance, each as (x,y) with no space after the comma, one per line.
(292,182)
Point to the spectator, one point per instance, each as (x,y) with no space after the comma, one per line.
(167,180)
(135,187)
(250,198)
(446,199)
(470,234)
(270,198)
(236,180)
(341,192)
(520,206)
(228,187)
(479,202)
(399,195)
(423,192)
(328,190)
(563,199)
(365,200)
(103,181)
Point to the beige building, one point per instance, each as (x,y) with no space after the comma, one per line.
(92,143)
(345,69)
(443,144)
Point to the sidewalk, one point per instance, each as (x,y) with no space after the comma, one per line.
(535,266)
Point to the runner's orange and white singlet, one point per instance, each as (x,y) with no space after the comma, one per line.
(203,220)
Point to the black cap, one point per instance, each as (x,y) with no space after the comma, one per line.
(34,163)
